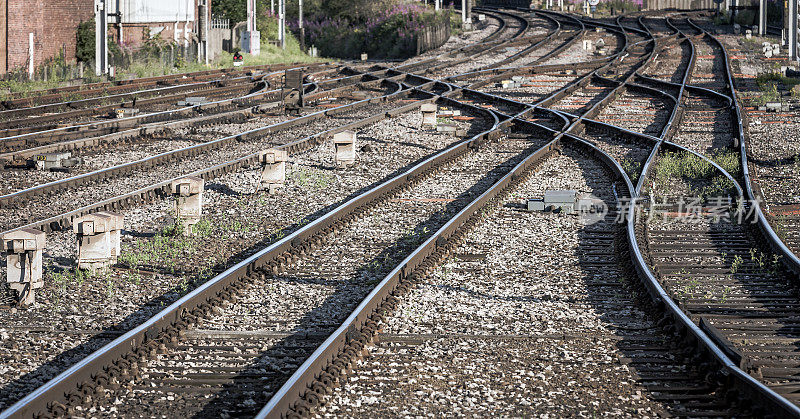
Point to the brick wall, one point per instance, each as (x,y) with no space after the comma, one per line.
(54,24)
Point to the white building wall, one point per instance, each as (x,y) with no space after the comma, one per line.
(144,11)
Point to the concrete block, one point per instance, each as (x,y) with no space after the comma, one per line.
(481,17)
(98,239)
(345,144)
(748,34)
(447,128)
(587,45)
(23,250)
(273,169)
(117,223)
(773,106)
(428,115)
(188,193)
(364,57)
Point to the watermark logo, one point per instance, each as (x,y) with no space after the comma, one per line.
(591,209)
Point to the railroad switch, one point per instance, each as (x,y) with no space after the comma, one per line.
(23,250)
(428,115)
(345,144)
(99,237)
(273,169)
(55,161)
(188,193)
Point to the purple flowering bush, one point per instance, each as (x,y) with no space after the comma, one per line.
(389,33)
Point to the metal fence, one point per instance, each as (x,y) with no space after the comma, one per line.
(166,55)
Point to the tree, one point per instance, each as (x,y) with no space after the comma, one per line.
(84,49)
(235,10)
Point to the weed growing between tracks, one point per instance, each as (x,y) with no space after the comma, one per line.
(676,166)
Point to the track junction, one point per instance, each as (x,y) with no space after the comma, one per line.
(416,270)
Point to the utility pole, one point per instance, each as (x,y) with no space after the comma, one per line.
(302,29)
(30,56)
(204,13)
(282,23)
(793,30)
(762,17)
(100,38)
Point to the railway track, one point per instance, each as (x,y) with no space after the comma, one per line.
(300,143)
(414,219)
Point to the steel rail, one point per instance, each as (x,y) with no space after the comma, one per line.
(149,193)
(94,125)
(124,89)
(122,85)
(136,126)
(289,395)
(743,380)
(15,198)
(789,258)
(83,371)
(56,388)
(753,387)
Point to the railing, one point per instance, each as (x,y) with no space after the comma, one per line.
(433,37)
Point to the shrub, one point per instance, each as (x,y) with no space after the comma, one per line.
(84,49)
(390,33)
(745,17)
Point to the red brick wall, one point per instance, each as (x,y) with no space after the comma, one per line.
(54,24)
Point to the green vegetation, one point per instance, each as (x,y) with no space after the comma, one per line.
(310,178)
(386,29)
(722,18)
(84,49)
(619,6)
(770,85)
(746,18)
(690,167)
(632,168)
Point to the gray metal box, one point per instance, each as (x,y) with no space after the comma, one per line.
(560,197)
(535,204)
